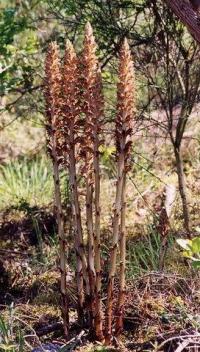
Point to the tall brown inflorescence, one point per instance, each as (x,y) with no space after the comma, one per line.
(123,136)
(71,126)
(93,110)
(53,97)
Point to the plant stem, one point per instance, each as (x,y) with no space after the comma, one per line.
(79,245)
(120,305)
(115,240)
(62,242)
(97,242)
(91,267)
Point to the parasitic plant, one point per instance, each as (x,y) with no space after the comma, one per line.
(53,97)
(74,100)
(123,136)
(71,121)
(93,109)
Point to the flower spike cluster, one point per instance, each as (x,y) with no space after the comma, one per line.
(74,114)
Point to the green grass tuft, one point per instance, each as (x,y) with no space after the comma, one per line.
(26,181)
(143,255)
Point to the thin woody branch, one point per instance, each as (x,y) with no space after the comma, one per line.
(187,14)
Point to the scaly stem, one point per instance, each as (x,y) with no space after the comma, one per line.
(91,268)
(62,242)
(79,245)
(115,240)
(98,315)
(122,246)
